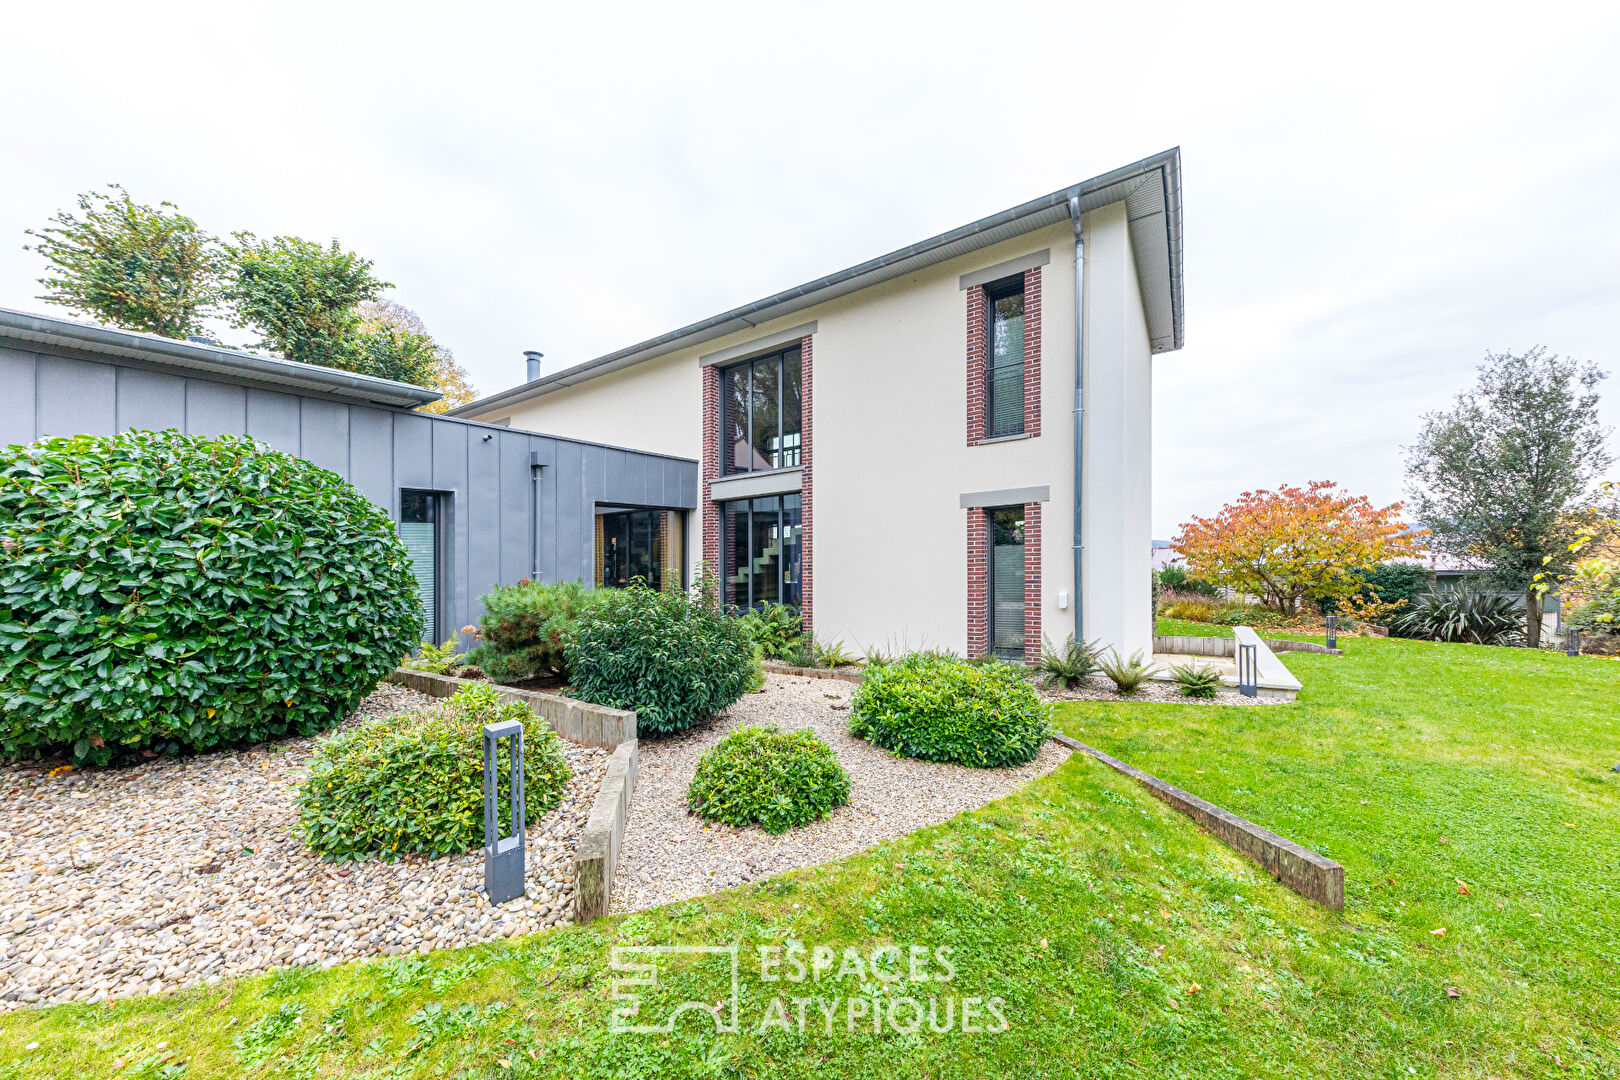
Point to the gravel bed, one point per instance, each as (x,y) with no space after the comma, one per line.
(670,854)
(1098,688)
(129,881)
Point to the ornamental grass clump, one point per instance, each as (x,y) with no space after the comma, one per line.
(767,777)
(414,782)
(672,657)
(1196,680)
(942,708)
(170,592)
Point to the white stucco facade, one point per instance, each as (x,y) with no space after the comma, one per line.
(892,460)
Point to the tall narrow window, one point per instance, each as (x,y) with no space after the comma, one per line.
(1004,359)
(760,551)
(760,413)
(1007,582)
(419,530)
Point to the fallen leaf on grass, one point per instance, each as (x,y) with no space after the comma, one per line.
(1443,840)
(1462,887)
(1454,992)
(1440,932)
(1159,951)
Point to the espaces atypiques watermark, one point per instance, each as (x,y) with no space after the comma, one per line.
(889,988)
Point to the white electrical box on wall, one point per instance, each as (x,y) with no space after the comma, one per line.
(1063,600)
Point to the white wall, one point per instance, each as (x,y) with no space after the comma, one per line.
(1119,442)
(890,453)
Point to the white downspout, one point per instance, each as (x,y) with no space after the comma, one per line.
(1079,419)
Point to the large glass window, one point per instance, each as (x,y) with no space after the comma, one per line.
(1004,359)
(630,549)
(1007,582)
(760,408)
(760,550)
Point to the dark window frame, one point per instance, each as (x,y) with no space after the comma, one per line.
(727,448)
(440,505)
(993,292)
(990,513)
(651,519)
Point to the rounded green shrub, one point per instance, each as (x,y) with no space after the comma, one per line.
(414,782)
(942,708)
(763,776)
(671,656)
(526,627)
(170,592)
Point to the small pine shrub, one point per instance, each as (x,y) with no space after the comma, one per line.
(775,628)
(1126,675)
(172,592)
(1197,680)
(672,657)
(766,777)
(526,628)
(1070,665)
(414,782)
(942,708)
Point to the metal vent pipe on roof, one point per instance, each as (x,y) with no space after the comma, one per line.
(533,358)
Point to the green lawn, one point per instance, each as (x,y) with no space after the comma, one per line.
(1122,940)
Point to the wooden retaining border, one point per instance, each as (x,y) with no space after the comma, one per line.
(577,721)
(597,856)
(1227,646)
(1313,876)
(815,672)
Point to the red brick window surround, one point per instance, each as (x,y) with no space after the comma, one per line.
(710,472)
(978,581)
(978,391)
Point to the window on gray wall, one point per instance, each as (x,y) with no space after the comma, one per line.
(419,528)
(760,412)
(1004,359)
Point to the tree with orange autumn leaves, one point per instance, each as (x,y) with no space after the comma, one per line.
(1293,543)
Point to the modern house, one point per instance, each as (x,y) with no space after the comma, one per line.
(949,445)
(477,505)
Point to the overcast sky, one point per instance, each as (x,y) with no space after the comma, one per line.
(1374,196)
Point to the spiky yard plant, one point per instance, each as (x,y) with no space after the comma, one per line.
(1071,665)
(1126,675)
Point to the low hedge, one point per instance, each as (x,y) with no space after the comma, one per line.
(767,777)
(414,782)
(671,656)
(942,708)
(171,592)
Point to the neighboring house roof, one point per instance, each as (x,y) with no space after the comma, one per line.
(1150,189)
(196,358)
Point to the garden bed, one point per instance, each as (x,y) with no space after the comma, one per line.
(670,854)
(123,882)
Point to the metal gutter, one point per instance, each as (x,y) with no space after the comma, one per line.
(1162,169)
(211,360)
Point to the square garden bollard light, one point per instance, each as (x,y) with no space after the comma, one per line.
(503,857)
(1248,666)
(1572,643)
(1333,631)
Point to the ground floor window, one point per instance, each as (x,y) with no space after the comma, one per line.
(419,519)
(632,547)
(1006,582)
(759,550)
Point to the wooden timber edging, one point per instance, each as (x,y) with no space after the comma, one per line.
(597,856)
(1227,646)
(577,721)
(1313,876)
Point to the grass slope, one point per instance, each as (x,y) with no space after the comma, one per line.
(1123,941)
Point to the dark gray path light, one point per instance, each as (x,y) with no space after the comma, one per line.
(1572,643)
(503,857)
(1333,631)
(1248,671)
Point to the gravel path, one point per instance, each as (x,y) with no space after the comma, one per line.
(120,882)
(1098,688)
(669,854)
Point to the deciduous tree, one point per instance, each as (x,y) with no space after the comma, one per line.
(1293,543)
(139,267)
(383,317)
(1508,476)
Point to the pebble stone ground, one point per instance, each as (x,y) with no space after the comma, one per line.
(131,881)
(670,854)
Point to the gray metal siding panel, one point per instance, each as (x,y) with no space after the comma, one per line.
(215,408)
(413,452)
(546,543)
(77,397)
(324,434)
(273,418)
(483,504)
(17,405)
(371,457)
(150,401)
(573,511)
(517,543)
(450,475)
